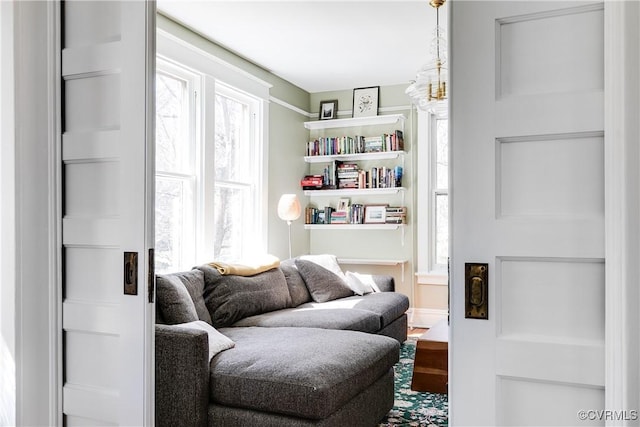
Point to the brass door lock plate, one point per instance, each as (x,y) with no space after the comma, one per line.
(476,278)
(131,273)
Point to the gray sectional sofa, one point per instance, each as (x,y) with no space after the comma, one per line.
(304,351)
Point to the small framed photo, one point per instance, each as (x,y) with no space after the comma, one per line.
(328,110)
(366,101)
(343,205)
(375,214)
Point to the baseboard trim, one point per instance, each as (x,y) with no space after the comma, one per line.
(425,317)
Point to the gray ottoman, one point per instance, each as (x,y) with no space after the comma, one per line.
(302,376)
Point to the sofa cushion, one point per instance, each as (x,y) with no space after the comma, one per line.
(386,306)
(334,318)
(302,372)
(231,298)
(297,289)
(173,298)
(323,284)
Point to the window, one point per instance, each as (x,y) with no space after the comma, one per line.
(176,174)
(208,154)
(235,136)
(440,192)
(433,197)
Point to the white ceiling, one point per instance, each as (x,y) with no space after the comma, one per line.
(319,45)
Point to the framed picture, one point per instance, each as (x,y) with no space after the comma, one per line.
(365,101)
(343,205)
(375,214)
(328,110)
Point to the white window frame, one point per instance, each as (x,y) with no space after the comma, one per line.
(217,75)
(433,118)
(253,219)
(193,209)
(428,270)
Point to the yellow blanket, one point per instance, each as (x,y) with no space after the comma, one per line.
(247,268)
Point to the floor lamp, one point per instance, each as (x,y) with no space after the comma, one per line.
(289,210)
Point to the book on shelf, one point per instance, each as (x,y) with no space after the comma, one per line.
(351,214)
(331,146)
(339,217)
(328,213)
(312,182)
(395,215)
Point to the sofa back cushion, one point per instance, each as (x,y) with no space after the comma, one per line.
(180,297)
(297,289)
(230,298)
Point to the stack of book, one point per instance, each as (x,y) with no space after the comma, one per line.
(347,175)
(312,182)
(339,217)
(396,215)
(373,144)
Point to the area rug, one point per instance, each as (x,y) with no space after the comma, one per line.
(412,408)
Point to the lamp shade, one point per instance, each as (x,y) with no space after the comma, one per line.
(289,207)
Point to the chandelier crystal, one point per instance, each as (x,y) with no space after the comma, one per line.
(430,88)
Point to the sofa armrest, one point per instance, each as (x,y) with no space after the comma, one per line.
(182,376)
(384,282)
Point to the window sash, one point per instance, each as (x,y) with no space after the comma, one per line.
(438,160)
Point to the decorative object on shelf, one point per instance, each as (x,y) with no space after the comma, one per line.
(429,90)
(366,101)
(375,214)
(343,205)
(328,110)
(289,210)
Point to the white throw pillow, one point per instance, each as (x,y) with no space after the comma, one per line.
(356,284)
(217,341)
(363,282)
(330,262)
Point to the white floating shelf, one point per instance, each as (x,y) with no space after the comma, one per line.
(381,155)
(355,121)
(368,261)
(355,192)
(352,226)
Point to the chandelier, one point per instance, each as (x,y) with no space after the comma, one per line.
(429,90)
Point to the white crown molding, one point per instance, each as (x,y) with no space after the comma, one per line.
(291,107)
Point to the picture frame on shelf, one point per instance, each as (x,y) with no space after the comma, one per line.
(328,110)
(375,214)
(343,205)
(366,101)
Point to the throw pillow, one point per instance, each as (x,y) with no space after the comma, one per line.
(217,341)
(174,302)
(358,287)
(330,262)
(231,298)
(194,282)
(368,282)
(323,285)
(297,289)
